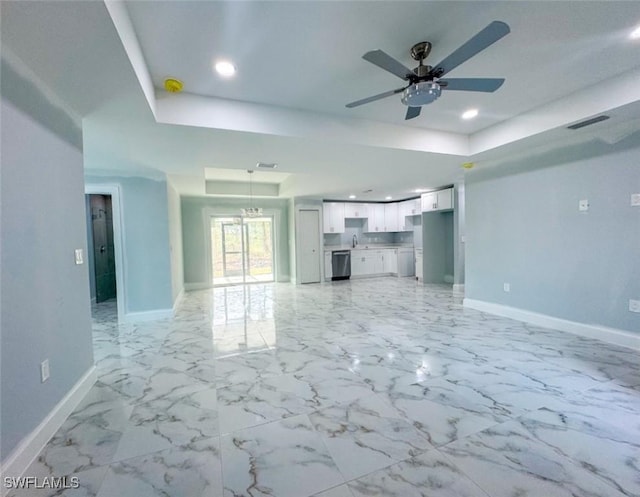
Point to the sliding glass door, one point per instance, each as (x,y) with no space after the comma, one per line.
(241,250)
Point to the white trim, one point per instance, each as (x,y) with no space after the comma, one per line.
(30,446)
(118,239)
(609,335)
(133,317)
(178,300)
(188,287)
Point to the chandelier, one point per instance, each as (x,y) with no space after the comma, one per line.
(251,211)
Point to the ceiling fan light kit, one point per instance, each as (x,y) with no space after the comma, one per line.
(425,83)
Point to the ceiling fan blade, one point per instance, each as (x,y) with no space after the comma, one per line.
(388,63)
(374,98)
(472,84)
(412,112)
(488,36)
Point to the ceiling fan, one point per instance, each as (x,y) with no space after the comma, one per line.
(424,81)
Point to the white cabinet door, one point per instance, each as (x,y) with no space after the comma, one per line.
(390,261)
(406,211)
(333,217)
(414,207)
(429,202)
(375,218)
(445,199)
(391,217)
(418,256)
(355,210)
(377,262)
(437,201)
(358,263)
(328,268)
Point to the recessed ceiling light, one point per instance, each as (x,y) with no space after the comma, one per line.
(635,34)
(470,114)
(352,196)
(225,68)
(421,190)
(388,197)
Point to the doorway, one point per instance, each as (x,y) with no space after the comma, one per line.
(242,250)
(101,248)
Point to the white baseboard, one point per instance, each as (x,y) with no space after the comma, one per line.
(30,446)
(609,335)
(134,317)
(197,286)
(178,300)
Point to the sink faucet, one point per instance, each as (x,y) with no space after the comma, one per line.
(354,241)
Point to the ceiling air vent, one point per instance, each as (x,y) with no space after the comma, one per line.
(588,122)
(267,165)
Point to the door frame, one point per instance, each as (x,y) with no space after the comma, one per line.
(211,213)
(118,239)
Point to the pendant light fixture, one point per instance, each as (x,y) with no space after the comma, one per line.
(251,211)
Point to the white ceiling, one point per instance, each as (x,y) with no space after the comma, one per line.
(300,62)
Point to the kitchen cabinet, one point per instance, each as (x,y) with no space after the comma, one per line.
(355,210)
(375,218)
(333,217)
(391,217)
(418,256)
(437,201)
(360,266)
(328,268)
(390,261)
(406,210)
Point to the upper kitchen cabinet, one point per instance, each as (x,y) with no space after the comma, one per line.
(333,217)
(406,210)
(391,217)
(375,218)
(355,210)
(437,201)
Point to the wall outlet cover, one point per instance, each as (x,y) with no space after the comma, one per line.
(79,256)
(635,199)
(583,205)
(507,287)
(44,370)
(634,305)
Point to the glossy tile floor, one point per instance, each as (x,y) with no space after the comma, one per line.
(377,387)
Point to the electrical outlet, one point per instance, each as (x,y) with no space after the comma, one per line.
(79,257)
(507,287)
(634,305)
(583,205)
(635,200)
(44,370)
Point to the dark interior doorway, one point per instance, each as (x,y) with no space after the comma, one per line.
(101,249)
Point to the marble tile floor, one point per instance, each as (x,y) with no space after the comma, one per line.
(377,387)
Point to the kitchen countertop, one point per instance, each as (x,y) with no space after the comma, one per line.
(371,246)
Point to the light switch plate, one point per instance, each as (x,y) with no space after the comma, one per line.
(583,205)
(634,305)
(79,257)
(44,370)
(635,199)
(507,287)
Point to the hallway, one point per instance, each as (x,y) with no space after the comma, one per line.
(360,388)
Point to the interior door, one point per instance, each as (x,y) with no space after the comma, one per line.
(103,251)
(309,236)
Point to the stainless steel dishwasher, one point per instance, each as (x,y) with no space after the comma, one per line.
(340,264)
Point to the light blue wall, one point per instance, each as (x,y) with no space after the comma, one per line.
(195,213)
(525,229)
(146,241)
(45,295)
(175,242)
(437,255)
(90,249)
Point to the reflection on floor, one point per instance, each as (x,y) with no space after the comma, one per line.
(363,388)
(237,280)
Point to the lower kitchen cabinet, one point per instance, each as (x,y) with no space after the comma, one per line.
(328,265)
(390,261)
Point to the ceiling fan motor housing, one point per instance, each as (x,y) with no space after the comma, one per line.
(421,93)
